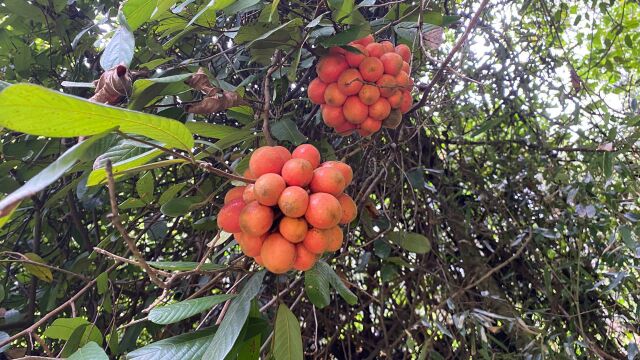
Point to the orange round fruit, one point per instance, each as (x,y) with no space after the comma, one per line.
(265,160)
(405,67)
(268,188)
(278,255)
(285,154)
(387,46)
(404,81)
(407,102)
(255,219)
(316,241)
(327,180)
(369,94)
(258,260)
(387,85)
(404,51)
(365,40)
(371,69)
(332,115)
(316,91)
(333,96)
(354,110)
(324,210)
(234,193)
(229,216)
(375,49)
(353,58)
(305,259)
(364,132)
(250,245)
(248,174)
(249,195)
(395,100)
(330,67)
(379,110)
(307,152)
(371,125)
(335,237)
(350,82)
(345,129)
(293,229)
(349,208)
(293,201)
(344,169)
(297,172)
(337,50)
(392,63)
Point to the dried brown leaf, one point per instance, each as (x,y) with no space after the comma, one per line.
(113,85)
(215,99)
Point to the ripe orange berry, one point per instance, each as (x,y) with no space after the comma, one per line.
(344,169)
(350,82)
(375,49)
(404,51)
(392,63)
(333,96)
(293,201)
(330,67)
(307,152)
(405,67)
(327,180)
(316,241)
(258,260)
(395,100)
(349,208)
(335,237)
(255,219)
(365,40)
(332,115)
(234,193)
(228,217)
(407,102)
(369,94)
(380,109)
(403,80)
(345,129)
(278,255)
(371,69)
(354,110)
(324,211)
(293,229)
(364,133)
(285,154)
(250,245)
(248,174)
(316,91)
(297,172)
(248,195)
(371,125)
(266,159)
(337,50)
(354,59)
(305,259)
(387,85)
(268,188)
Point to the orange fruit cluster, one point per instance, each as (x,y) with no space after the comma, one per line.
(365,90)
(291,214)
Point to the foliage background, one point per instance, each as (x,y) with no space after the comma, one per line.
(519,174)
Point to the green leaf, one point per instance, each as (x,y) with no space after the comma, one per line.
(257,32)
(183,265)
(287,130)
(176,207)
(145,90)
(145,187)
(132,203)
(91,351)
(413,242)
(341,10)
(119,50)
(81,336)
(607,164)
(39,111)
(213,131)
(173,313)
(293,69)
(62,328)
(2,294)
(316,286)
(48,175)
(190,346)
(102,282)
(138,12)
(234,320)
(336,282)
(170,193)
(287,340)
(40,272)
(343,38)
(98,176)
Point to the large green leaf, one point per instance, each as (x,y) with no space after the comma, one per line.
(36,110)
(63,328)
(40,272)
(99,176)
(317,288)
(342,38)
(213,131)
(49,174)
(119,50)
(145,90)
(138,12)
(336,282)
(190,346)
(91,351)
(287,130)
(234,320)
(287,340)
(413,242)
(173,313)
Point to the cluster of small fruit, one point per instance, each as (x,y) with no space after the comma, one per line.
(363,90)
(291,214)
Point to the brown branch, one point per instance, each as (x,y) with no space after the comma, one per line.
(115,220)
(266,93)
(210,168)
(447,60)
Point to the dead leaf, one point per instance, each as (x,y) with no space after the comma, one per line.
(576,82)
(434,38)
(215,99)
(608,147)
(113,85)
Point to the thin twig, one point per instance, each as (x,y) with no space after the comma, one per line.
(266,92)
(208,167)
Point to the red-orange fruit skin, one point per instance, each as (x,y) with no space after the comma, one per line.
(255,219)
(323,211)
(307,152)
(228,217)
(278,255)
